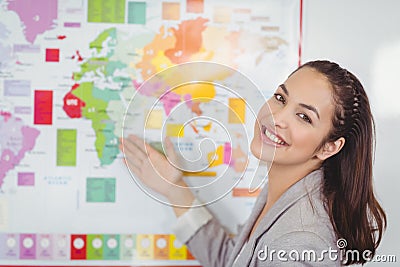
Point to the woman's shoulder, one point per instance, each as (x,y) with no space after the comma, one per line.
(306,220)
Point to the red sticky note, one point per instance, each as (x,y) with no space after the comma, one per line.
(195,6)
(52,55)
(43,113)
(78,247)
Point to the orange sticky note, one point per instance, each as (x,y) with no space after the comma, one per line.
(161,247)
(237,110)
(171,11)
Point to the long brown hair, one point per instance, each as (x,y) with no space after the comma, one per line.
(354,211)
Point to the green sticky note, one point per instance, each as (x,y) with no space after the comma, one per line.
(128,247)
(66,147)
(137,12)
(100,189)
(94,247)
(106,11)
(111,247)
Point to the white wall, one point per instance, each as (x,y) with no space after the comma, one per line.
(364,37)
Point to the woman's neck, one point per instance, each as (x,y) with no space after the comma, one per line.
(280,178)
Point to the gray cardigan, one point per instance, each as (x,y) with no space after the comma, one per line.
(296,231)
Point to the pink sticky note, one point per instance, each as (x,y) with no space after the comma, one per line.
(27,246)
(26,179)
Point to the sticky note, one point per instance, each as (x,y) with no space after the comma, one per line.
(137,12)
(94,247)
(161,247)
(216,158)
(195,6)
(228,153)
(44,247)
(175,130)
(17,88)
(154,119)
(106,11)
(145,246)
(171,11)
(61,249)
(43,107)
(66,147)
(9,249)
(100,189)
(128,247)
(78,247)
(222,14)
(237,110)
(111,249)
(26,179)
(177,251)
(27,246)
(52,55)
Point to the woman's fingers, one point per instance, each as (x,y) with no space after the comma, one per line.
(132,158)
(133,147)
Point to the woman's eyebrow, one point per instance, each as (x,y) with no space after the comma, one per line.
(284,89)
(310,108)
(313,109)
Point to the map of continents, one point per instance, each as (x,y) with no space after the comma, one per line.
(16,140)
(118,65)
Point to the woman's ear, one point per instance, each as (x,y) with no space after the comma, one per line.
(331,148)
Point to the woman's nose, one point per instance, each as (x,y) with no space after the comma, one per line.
(280,117)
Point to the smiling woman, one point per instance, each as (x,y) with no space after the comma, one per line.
(316,132)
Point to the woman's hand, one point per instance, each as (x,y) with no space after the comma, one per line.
(155,171)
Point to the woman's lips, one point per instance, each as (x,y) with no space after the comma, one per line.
(271,138)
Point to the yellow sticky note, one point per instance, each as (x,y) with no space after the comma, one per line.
(237,110)
(216,158)
(154,119)
(222,14)
(145,247)
(177,251)
(175,130)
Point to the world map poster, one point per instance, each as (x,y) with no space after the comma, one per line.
(76,76)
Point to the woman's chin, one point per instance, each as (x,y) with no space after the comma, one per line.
(261,152)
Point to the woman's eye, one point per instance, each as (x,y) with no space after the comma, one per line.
(305,117)
(280,98)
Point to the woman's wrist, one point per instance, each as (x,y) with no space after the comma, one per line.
(181,198)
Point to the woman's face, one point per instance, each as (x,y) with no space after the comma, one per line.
(295,120)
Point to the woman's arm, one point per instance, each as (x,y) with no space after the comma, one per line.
(196,227)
